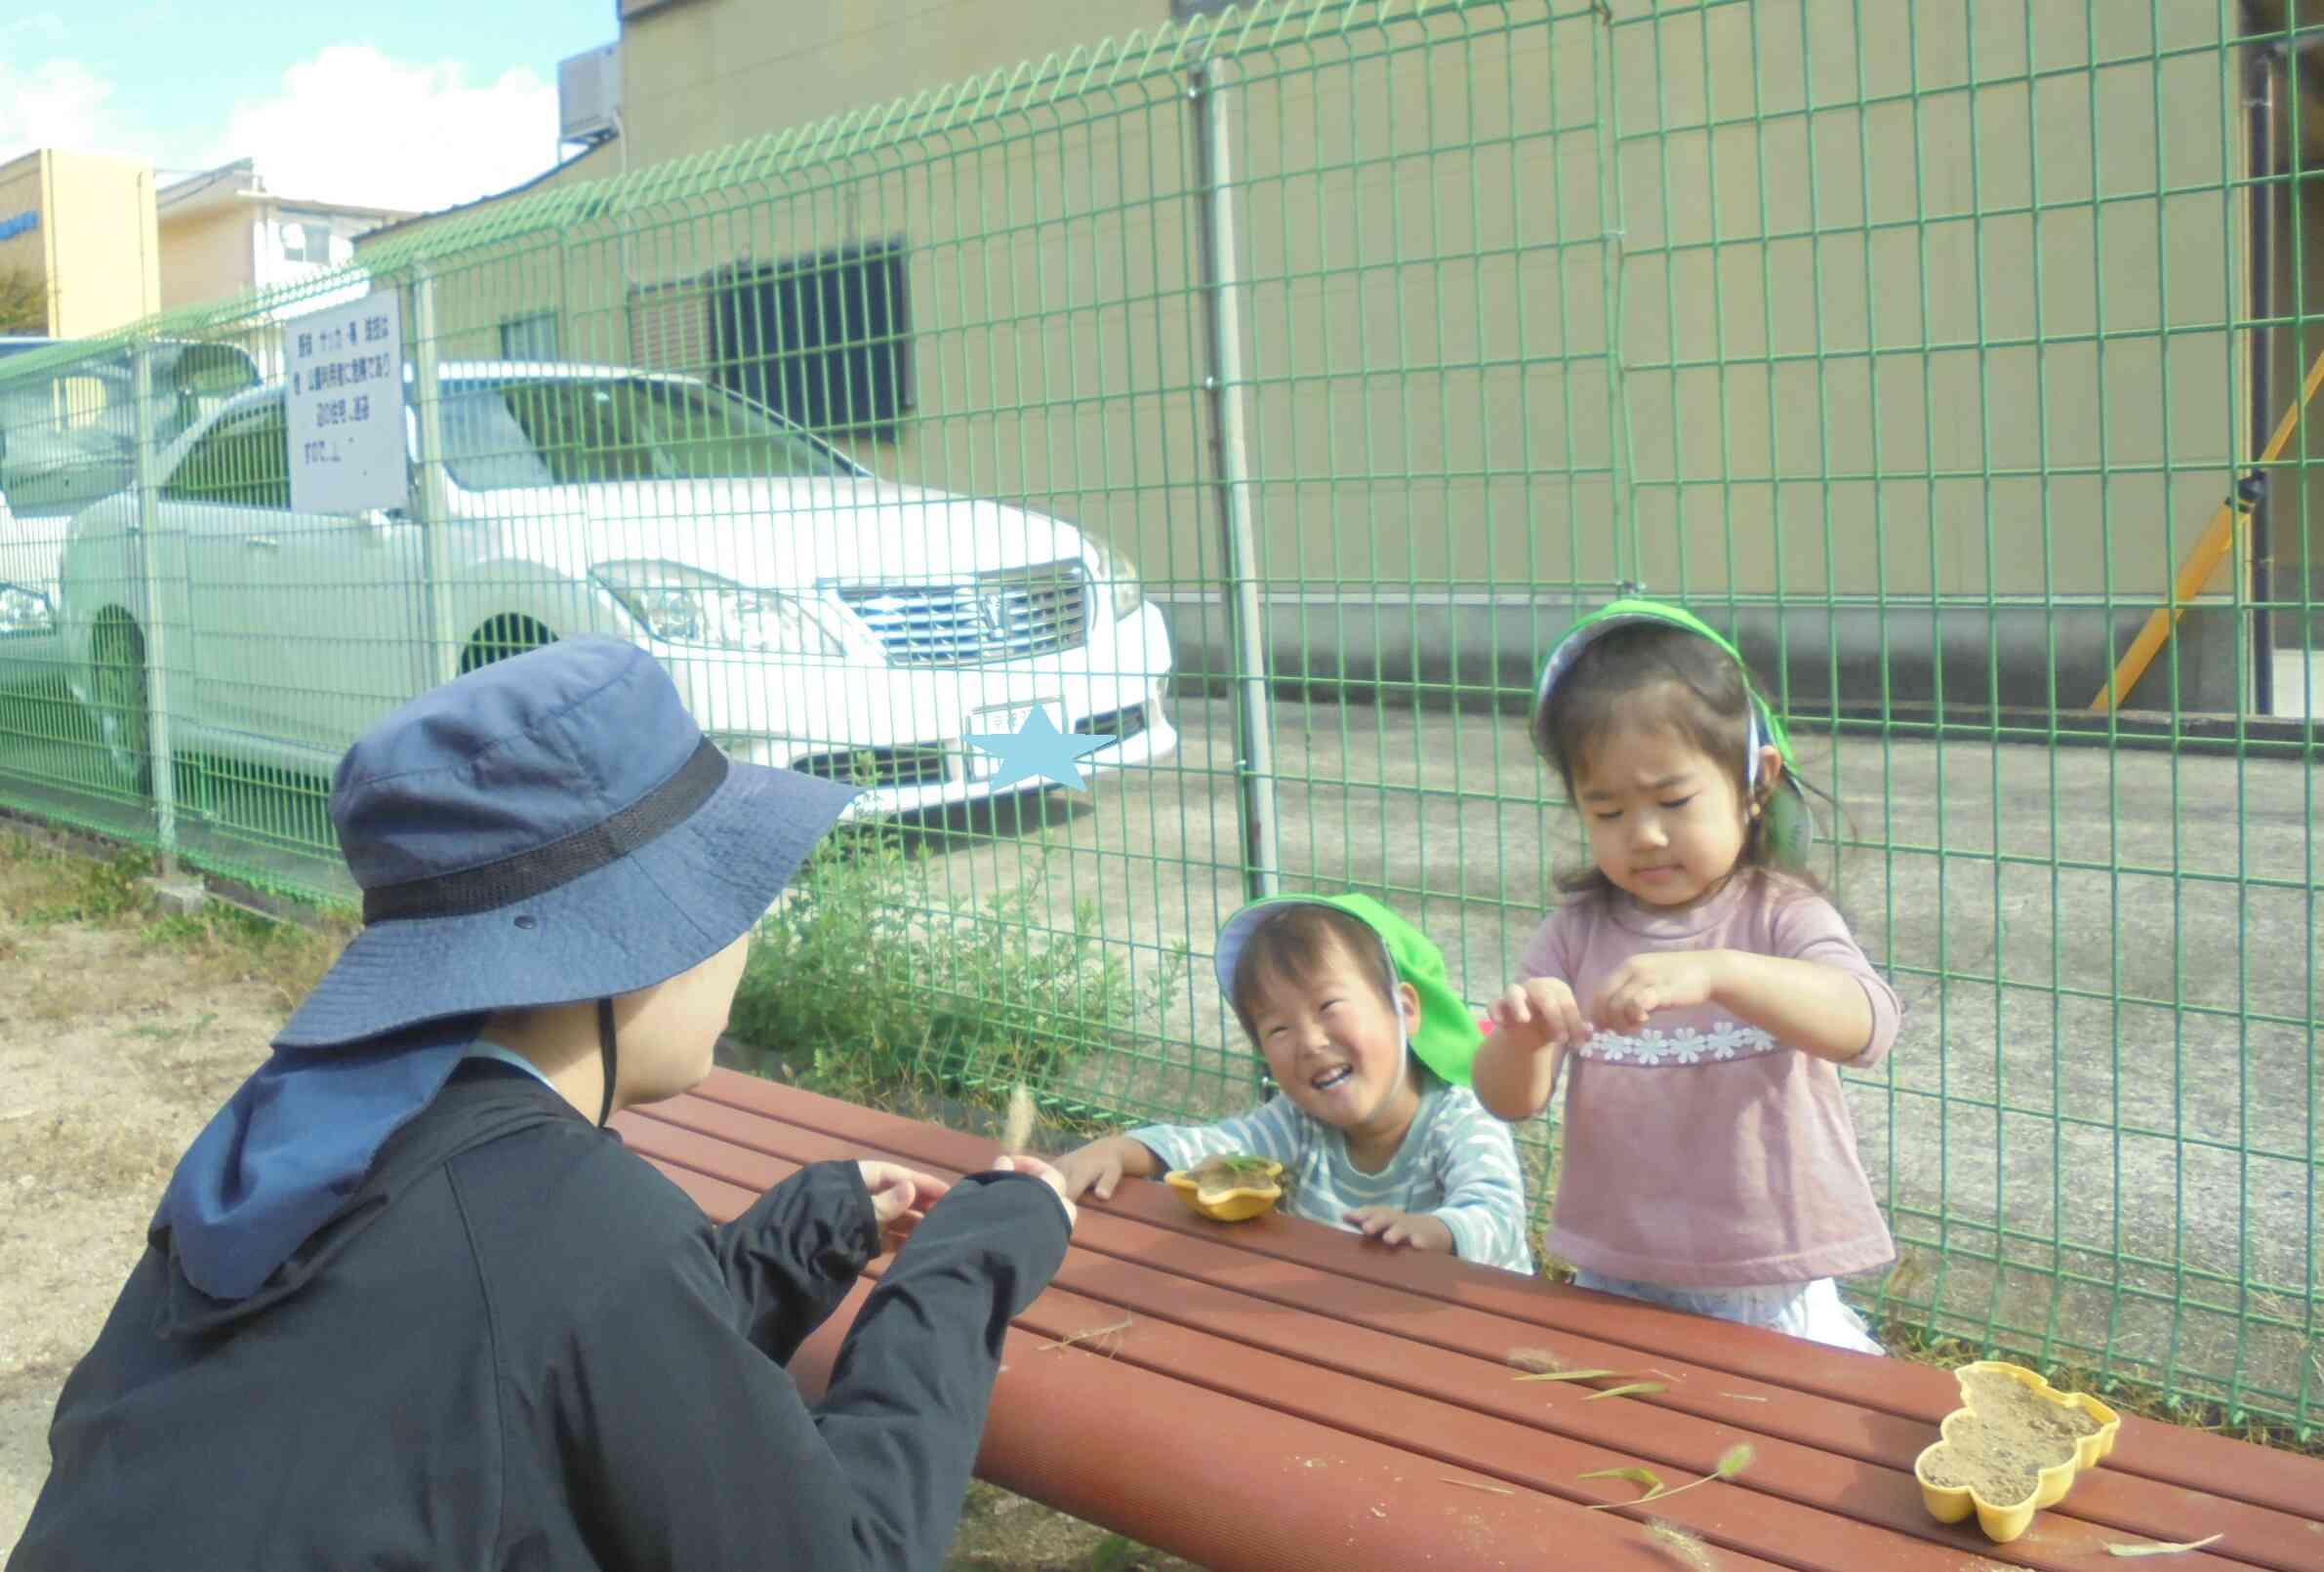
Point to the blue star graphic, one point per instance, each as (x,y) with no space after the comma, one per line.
(1038,747)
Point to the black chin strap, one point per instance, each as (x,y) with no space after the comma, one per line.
(605,1053)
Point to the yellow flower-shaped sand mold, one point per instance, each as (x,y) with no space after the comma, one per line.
(2015,1447)
(1228,1189)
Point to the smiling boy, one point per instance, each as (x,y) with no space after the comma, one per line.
(1371,1050)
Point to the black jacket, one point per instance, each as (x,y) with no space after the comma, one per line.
(519,1345)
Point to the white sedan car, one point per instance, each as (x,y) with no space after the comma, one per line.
(812,615)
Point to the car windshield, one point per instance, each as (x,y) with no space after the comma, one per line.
(581,431)
(81,401)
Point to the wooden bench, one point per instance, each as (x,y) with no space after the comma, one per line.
(1290,1396)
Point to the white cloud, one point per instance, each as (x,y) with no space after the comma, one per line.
(59,104)
(358,125)
(350,124)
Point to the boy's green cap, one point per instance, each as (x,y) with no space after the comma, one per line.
(1447,1036)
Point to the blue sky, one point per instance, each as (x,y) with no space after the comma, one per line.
(419,104)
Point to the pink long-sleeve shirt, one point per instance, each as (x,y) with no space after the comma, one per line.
(1701,1152)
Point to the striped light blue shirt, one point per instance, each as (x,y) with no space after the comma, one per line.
(1458,1162)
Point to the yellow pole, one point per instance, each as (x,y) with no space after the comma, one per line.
(2216,541)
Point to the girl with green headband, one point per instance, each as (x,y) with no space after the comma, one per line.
(1696,995)
(1369,1049)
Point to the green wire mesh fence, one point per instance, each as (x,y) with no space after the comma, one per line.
(1255,399)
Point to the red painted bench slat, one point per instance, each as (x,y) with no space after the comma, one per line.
(1247,1487)
(2172,1456)
(1460,1403)
(1407,1341)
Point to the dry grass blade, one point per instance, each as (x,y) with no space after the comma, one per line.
(1731,1462)
(2163,1550)
(1090,1333)
(1633,1389)
(1681,1545)
(1019,1129)
(1570,1375)
(1646,1478)
(1470,1485)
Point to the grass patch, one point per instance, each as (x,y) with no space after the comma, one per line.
(46,887)
(239,946)
(43,886)
(877,988)
(1000,1532)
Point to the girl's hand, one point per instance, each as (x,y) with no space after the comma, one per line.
(1660,979)
(899,1197)
(1417,1229)
(1539,1013)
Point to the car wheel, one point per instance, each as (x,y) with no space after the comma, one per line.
(501,637)
(117,687)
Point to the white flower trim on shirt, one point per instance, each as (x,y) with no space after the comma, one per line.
(1652,1047)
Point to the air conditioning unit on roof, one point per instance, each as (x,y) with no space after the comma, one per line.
(588,95)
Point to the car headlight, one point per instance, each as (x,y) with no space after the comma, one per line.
(687,606)
(26,611)
(1118,574)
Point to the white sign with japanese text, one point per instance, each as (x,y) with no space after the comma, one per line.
(348,449)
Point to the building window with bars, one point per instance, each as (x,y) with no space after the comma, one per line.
(532,336)
(823,338)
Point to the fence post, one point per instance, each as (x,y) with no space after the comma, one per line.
(1606,130)
(434,500)
(146,477)
(1254,729)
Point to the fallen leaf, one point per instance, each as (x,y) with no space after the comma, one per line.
(2164,1549)
(1731,1462)
(1635,1388)
(1568,1375)
(1648,1477)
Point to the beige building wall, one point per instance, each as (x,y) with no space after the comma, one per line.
(484,286)
(707,72)
(23,191)
(106,265)
(206,256)
(94,241)
(1833,316)
(1871,339)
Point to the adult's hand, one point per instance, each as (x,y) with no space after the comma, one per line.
(899,1197)
(1021,1163)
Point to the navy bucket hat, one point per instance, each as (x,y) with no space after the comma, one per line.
(551,828)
